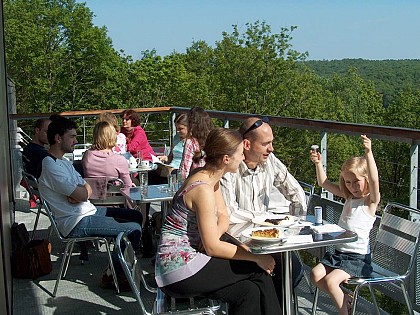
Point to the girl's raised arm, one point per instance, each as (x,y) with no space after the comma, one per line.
(373,176)
(322,177)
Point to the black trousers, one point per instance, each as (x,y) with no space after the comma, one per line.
(242,284)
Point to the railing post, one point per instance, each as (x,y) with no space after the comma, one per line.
(324,193)
(414,172)
(172,128)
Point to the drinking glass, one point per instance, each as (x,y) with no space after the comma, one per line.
(143,183)
(301,216)
(172,183)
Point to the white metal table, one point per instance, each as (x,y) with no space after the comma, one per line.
(319,240)
(153,193)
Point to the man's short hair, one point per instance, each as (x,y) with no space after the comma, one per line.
(58,126)
(39,123)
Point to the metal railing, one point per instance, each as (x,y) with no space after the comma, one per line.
(153,116)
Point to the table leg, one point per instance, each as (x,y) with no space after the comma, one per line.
(287,283)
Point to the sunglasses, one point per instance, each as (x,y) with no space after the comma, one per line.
(256,124)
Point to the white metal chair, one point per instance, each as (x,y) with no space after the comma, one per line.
(134,273)
(32,188)
(394,256)
(70,241)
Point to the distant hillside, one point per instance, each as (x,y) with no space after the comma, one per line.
(389,76)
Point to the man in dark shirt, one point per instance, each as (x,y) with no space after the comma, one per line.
(35,151)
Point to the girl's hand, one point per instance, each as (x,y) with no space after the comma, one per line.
(367,144)
(266,263)
(315,157)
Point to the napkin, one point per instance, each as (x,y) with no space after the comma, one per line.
(299,239)
(327,228)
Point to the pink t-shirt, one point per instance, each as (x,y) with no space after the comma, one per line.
(106,164)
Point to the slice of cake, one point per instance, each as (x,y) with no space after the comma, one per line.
(267,233)
(278,221)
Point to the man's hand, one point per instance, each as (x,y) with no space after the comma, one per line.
(72,200)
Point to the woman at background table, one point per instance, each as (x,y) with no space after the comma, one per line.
(175,157)
(136,137)
(199,126)
(192,260)
(100,160)
(121,145)
(359,185)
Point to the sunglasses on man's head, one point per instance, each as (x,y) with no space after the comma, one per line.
(256,124)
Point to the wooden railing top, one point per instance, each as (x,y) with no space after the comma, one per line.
(406,135)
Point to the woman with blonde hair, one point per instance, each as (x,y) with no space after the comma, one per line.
(100,160)
(121,144)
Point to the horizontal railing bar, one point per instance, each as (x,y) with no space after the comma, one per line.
(406,135)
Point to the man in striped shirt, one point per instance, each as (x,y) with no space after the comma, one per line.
(247,192)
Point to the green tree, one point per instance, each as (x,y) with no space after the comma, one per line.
(57,58)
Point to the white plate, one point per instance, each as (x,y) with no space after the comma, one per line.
(283,209)
(284,223)
(248,233)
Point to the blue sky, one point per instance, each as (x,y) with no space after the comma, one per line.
(368,29)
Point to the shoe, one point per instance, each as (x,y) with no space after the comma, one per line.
(108,282)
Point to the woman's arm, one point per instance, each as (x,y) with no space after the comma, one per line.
(187,157)
(373,176)
(322,177)
(222,215)
(203,201)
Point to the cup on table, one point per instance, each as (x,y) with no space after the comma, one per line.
(144,163)
(133,162)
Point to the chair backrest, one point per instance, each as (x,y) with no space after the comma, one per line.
(131,266)
(308,189)
(31,185)
(396,244)
(106,191)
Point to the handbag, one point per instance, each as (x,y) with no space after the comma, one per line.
(30,260)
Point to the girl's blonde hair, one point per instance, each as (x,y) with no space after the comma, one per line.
(111,118)
(358,166)
(104,136)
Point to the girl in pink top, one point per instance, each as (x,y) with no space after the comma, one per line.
(199,126)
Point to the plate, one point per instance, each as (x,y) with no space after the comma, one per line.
(248,233)
(284,209)
(284,223)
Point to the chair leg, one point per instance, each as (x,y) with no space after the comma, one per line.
(69,251)
(305,274)
(111,265)
(372,295)
(60,271)
(406,297)
(355,297)
(315,302)
(38,214)
(295,301)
